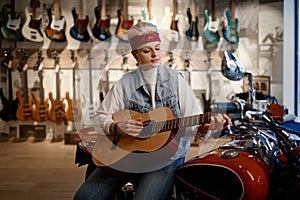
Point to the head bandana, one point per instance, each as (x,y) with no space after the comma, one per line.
(139,40)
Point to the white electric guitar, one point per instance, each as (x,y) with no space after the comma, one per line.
(31,30)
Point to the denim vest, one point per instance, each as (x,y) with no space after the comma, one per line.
(137,96)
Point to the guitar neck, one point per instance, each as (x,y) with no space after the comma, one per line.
(74,83)
(180,122)
(91,82)
(56,10)
(232,10)
(42,97)
(24,73)
(193,10)
(10,92)
(174,10)
(149,6)
(57,87)
(33,9)
(125,8)
(213,10)
(80,10)
(103,10)
(12,9)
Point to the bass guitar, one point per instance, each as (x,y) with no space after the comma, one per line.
(55,30)
(211,27)
(124,24)
(31,29)
(12,23)
(157,132)
(173,34)
(10,105)
(192,33)
(101,28)
(231,31)
(40,111)
(24,111)
(79,29)
(73,111)
(57,110)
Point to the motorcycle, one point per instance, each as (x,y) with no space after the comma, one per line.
(262,160)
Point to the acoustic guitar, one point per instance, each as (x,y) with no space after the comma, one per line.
(231,30)
(211,27)
(79,29)
(157,132)
(57,111)
(10,105)
(55,30)
(73,112)
(192,33)
(40,111)
(101,28)
(11,28)
(31,29)
(124,24)
(24,111)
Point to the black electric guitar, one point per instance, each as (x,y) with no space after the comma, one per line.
(231,31)
(11,28)
(101,28)
(79,30)
(155,136)
(211,27)
(192,33)
(40,111)
(31,29)
(55,30)
(10,105)
(24,111)
(124,23)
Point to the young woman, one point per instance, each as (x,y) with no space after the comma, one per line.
(152,85)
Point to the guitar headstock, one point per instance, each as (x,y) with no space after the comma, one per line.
(124,60)
(38,66)
(56,61)
(23,62)
(104,64)
(7,63)
(74,59)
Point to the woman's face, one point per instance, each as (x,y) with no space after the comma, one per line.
(148,55)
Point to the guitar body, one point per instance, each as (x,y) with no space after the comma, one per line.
(11,27)
(40,112)
(101,28)
(231,31)
(73,111)
(9,109)
(123,27)
(57,110)
(210,32)
(55,29)
(79,30)
(24,111)
(193,33)
(31,30)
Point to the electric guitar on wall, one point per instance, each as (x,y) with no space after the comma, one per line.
(79,30)
(57,110)
(124,24)
(101,28)
(147,13)
(31,29)
(73,111)
(211,27)
(55,30)
(10,105)
(173,34)
(40,111)
(231,31)
(192,33)
(156,135)
(12,23)
(24,111)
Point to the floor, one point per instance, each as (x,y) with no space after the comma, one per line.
(35,170)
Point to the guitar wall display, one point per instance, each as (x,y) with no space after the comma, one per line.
(10,105)
(24,111)
(211,33)
(79,30)
(40,110)
(31,29)
(231,30)
(192,33)
(11,28)
(101,28)
(57,110)
(55,30)
(124,23)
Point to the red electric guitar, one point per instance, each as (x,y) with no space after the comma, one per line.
(124,24)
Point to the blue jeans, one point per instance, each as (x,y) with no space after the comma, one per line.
(154,185)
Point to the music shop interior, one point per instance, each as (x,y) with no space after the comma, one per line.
(60,58)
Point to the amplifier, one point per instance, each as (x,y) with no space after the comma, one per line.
(71,137)
(37,131)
